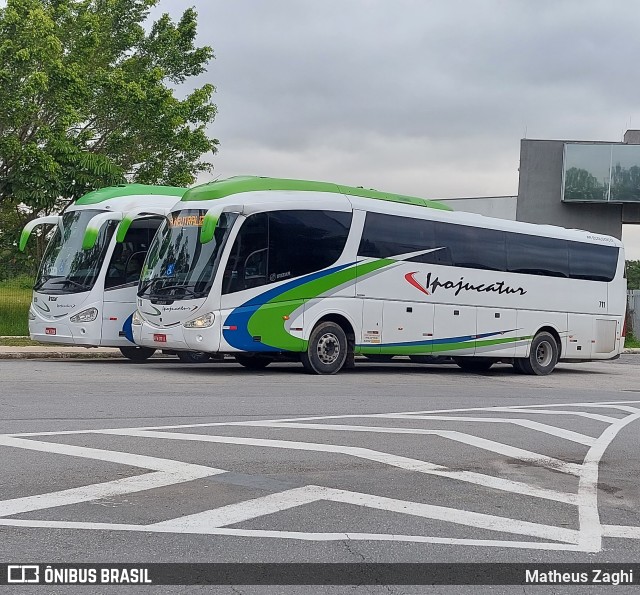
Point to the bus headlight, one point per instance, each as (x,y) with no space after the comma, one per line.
(203,321)
(32,314)
(136,319)
(88,315)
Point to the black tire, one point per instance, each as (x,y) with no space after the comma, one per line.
(518,365)
(379,358)
(327,349)
(429,359)
(543,355)
(253,362)
(473,364)
(193,357)
(137,354)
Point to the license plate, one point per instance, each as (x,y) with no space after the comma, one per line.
(49,331)
(160,338)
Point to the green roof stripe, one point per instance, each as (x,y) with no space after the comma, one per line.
(98,196)
(239,184)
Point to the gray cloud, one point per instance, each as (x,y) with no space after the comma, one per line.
(423,97)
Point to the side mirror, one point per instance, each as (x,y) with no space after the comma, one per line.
(130,216)
(209,225)
(29,227)
(94,226)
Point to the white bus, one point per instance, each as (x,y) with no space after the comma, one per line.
(264,268)
(85,291)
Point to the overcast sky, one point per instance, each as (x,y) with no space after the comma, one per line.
(424,97)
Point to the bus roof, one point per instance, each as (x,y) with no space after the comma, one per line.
(104,194)
(236,185)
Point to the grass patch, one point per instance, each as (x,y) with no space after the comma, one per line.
(630,342)
(18,342)
(15,297)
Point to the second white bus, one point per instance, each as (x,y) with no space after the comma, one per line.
(85,291)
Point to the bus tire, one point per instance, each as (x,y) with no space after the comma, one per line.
(253,362)
(193,357)
(137,354)
(473,364)
(379,358)
(543,355)
(327,349)
(518,365)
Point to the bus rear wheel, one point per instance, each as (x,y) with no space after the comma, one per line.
(473,364)
(253,362)
(327,349)
(137,354)
(193,357)
(543,356)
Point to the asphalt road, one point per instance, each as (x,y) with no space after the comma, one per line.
(106,460)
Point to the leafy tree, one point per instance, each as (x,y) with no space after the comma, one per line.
(88,99)
(633,274)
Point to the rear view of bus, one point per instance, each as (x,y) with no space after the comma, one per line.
(84,293)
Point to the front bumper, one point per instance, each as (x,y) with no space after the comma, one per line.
(177,337)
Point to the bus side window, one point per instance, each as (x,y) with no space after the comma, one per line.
(126,261)
(303,242)
(247,266)
(386,236)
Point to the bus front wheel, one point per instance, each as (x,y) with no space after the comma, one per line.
(327,349)
(543,356)
(253,362)
(137,354)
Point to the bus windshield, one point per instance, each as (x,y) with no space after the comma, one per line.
(178,265)
(66,267)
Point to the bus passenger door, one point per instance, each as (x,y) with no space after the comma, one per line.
(408,328)
(496,332)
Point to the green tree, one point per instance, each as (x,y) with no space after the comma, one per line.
(88,99)
(633,274)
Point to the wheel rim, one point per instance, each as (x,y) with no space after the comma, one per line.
(544,353)
(328,348)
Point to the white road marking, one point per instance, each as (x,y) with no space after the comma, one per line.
(167,472)
(588,538)
(111,456)
(621,531)
(604,418)
(298,535)
(482,443)
(590,528)
(611,404)
(406,463)
(251,509)
(525,423)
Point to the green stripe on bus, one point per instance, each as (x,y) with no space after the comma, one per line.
(240,184)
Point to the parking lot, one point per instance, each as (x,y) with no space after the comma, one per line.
(105,460)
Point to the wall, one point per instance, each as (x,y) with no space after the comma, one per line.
(539,193)
(502,207)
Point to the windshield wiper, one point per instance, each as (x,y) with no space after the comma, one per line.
(184,286)
(80,285)
(150,284)
(61,281)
